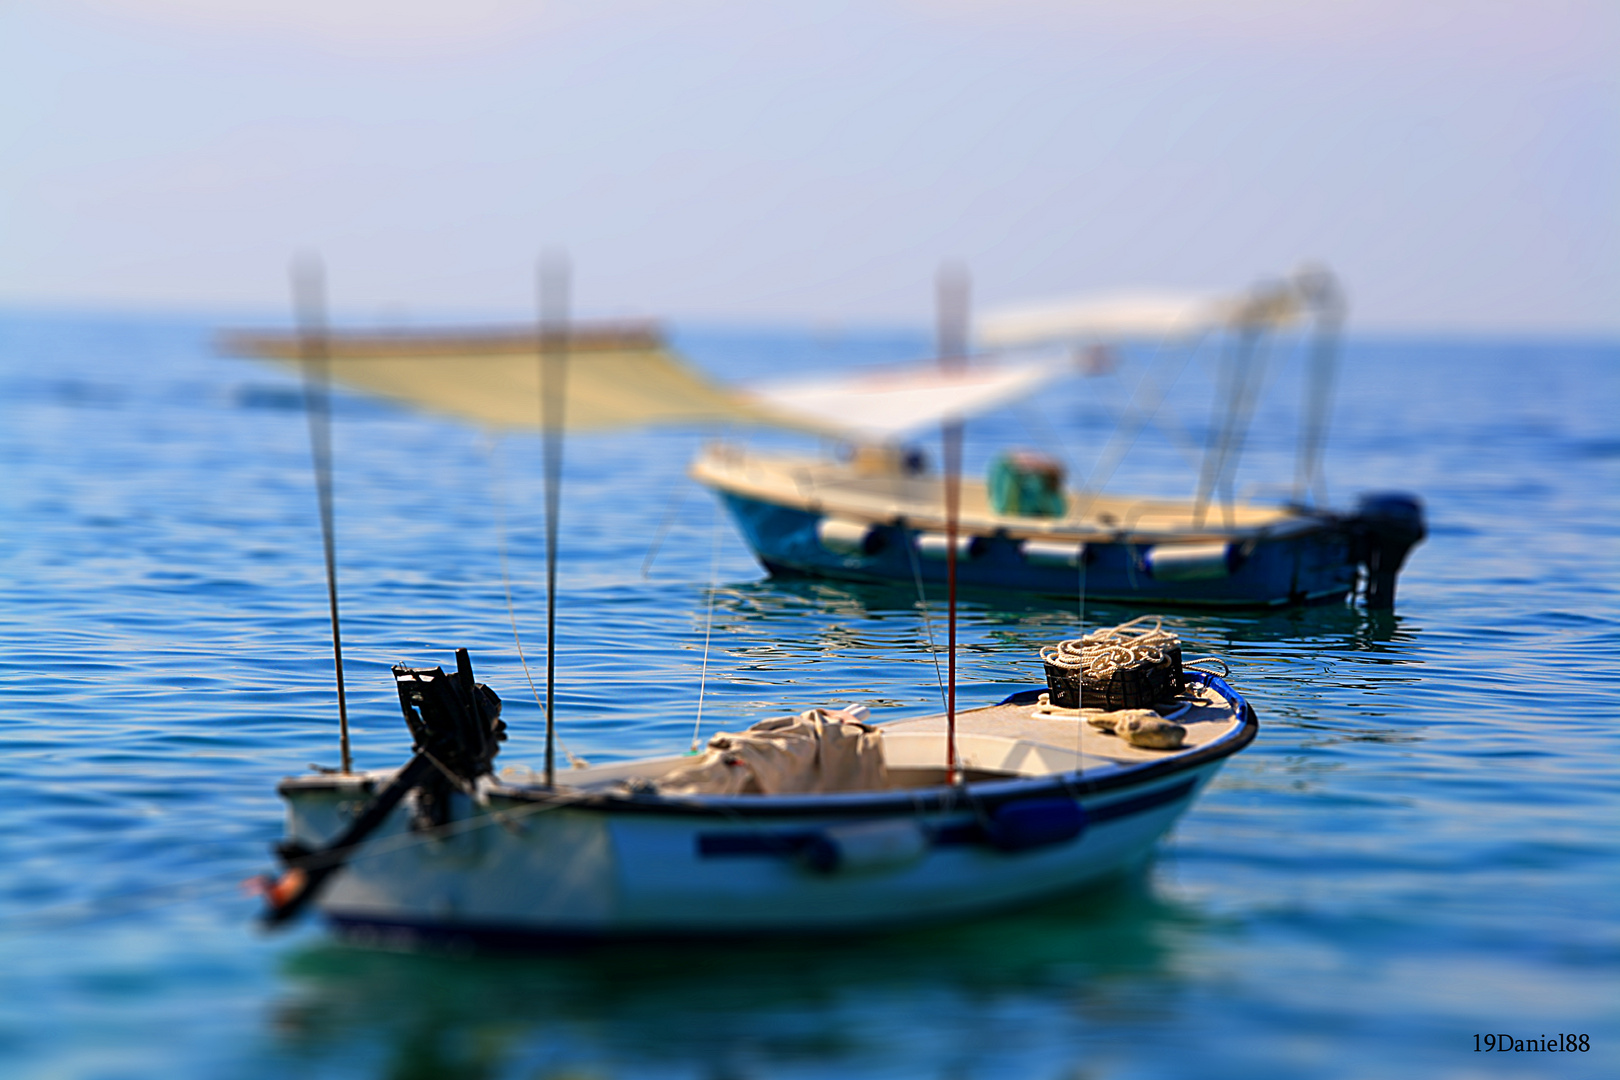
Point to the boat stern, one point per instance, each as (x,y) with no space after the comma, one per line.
(1384,527)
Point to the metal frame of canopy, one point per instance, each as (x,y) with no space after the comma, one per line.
(1310,293)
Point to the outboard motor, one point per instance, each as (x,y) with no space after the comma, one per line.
(452,717)
(457,728)
(1385,526)
(456,723)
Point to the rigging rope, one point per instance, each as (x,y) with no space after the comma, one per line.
(708,626)
(493,450)
(664,526)
(922,606)
(1244,368)
(1152,394)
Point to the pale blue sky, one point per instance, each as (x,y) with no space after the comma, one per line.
(1457,162)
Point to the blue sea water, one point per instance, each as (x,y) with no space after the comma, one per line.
(1420,848)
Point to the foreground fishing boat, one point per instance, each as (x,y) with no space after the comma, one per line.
(816,824)
(877,514)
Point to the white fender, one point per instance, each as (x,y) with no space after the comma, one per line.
(1189,562)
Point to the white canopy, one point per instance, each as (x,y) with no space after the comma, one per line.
(886,405)
(1146,315)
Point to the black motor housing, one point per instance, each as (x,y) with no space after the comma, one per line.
(456,723)
(1385,526)
(451,717)
(457,726)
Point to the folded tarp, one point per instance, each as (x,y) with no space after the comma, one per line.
(815,752)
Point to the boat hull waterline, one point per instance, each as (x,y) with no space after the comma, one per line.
(520,864)
(1310,565)
(820,520)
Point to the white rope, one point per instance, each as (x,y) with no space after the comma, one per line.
(1108,649)
(1081,574)
(1124,435)
(663,530)
(708,626)
(1197,664)
(922,606)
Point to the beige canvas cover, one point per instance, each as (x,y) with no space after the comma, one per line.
(616,376)
(818,751)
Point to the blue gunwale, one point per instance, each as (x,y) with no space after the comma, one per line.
(1311,562)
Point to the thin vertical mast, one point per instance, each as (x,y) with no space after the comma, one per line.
(951,329)
(309,305)
(1321,291)
(553,342)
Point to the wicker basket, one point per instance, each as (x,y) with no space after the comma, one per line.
(1138,686)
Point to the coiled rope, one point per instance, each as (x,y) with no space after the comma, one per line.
(1104,651)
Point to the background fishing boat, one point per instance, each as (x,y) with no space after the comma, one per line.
(876,512)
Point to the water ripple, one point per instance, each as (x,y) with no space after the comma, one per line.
(1419,845)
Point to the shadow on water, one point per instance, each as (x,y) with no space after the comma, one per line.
(730,1007)
(881,599)
(1330,674)
(1336,627)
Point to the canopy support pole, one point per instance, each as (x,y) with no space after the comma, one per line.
(1230,415)
(553,358)
(1326,299)
(951,330)
(309,305)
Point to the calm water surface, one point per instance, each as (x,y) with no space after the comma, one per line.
(1420,847)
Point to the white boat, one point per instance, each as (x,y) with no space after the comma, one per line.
(818,825)
(1043,804)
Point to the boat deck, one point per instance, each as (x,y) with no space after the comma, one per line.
(1007,741)
(1026,740)
(996,742)
(879,494)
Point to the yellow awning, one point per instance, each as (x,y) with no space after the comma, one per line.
(617,376)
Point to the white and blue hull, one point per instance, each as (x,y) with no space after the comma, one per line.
(807,518)
(535,866)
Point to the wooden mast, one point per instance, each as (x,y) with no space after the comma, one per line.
(309,306)
(951,330)
(553,342)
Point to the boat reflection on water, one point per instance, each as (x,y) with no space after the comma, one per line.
(840,616)
(1058,975)
(1333,674)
